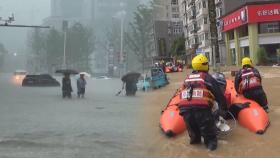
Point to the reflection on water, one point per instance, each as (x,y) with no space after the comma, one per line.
(37,122)
(239,143)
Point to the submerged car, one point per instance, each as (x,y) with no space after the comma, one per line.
(18,77)
(43,80)
(159,78)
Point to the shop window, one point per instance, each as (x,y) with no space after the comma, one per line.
(231,35)
(270,27)
(243,31)
(233,56)
(245,52)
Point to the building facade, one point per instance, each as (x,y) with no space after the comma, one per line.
(250,27)
(194,14)
(168,26)
(73,11)
(196,27)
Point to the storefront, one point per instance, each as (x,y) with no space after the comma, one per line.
(249,28)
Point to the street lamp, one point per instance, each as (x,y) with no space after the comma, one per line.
(121,15)
(64,28)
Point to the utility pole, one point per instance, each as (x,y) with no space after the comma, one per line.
(64,28)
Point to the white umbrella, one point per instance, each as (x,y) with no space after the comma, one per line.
(84,73)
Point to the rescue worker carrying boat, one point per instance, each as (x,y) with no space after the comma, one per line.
(197,98)
(248,82)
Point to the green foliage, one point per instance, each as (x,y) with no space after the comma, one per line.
(178,47)
(140,38)
(47,48)
(80,45)
(3,52)
(262,57)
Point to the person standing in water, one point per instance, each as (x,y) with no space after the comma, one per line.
(199,93)
(66,86)
(81,86)
(248,82)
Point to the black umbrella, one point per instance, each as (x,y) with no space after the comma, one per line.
(131,76)
(67,71)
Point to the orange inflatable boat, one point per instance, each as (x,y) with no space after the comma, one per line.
(171,122)
(249,114)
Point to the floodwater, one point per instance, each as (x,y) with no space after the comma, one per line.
(38,123)
(239,143)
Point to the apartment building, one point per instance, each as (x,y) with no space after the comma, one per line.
(194,14)
(196,27)
(168,25)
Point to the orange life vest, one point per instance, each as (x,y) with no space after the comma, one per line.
(248,80)
(195,92)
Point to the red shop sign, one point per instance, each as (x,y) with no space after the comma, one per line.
(234,19)
(250,14)
(264,13)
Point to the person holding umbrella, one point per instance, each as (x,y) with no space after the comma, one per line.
(130,83)
(66,86)
(66,82)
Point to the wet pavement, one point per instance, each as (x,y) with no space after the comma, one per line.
(37,123)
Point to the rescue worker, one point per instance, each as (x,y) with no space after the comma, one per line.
(197,98)
(248,82)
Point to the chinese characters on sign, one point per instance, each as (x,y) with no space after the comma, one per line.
(250,14)
(268,12)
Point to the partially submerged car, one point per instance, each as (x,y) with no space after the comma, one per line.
(18,76)
(42,80)
(156,80)
(159,78)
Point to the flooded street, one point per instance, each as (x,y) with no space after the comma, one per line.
(38,123)
(239,143)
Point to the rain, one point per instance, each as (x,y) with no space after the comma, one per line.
(113,78)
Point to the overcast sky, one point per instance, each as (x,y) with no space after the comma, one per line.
(26,11)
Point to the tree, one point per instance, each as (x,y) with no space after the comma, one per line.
(3,52)
(54,49)
(178,47)
(47,48)
(213,29)
(80,46)
(36,44)
(140,38)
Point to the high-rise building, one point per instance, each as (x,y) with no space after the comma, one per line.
(168,25)
(73,11)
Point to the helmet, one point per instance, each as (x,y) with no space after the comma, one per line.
(200,63)
(221,79)
(246,61)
